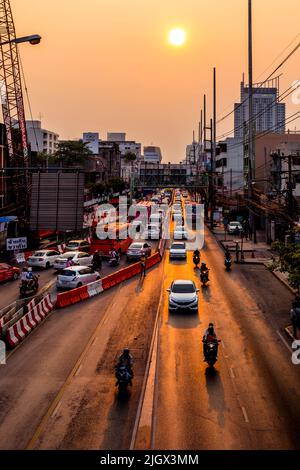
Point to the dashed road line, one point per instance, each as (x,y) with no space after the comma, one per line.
(245,414)
(78,370)
(232,373)
(56,409)
(284,340)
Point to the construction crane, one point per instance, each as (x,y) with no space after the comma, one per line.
(11,89)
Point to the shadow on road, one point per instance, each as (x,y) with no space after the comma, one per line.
(215,391)
(184,320)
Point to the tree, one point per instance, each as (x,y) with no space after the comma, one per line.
(130,157)
(289,261)
(115,184)
(71,153)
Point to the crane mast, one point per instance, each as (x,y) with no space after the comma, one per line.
(11,89)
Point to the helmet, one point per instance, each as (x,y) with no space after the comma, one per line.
(126,351)
(203,263)
(29,270)
(211,328)
(211,325)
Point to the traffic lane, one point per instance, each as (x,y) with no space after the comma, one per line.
(9,292)
(195,409)
(91,415)
(36,370)
(255,370)
(263,369)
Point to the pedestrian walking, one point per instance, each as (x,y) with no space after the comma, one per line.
(143,266)
(237,252)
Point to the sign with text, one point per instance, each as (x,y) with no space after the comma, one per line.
(13,244)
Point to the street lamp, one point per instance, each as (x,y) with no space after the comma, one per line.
(33,39)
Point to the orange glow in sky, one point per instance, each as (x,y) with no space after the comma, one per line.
(106,65)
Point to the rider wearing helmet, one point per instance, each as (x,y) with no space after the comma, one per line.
(209,336)
(126,359)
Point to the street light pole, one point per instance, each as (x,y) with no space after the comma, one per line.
(251,129)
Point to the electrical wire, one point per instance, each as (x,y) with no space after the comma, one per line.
(28,99)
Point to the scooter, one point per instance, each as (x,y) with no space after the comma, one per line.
(204,277)
(196,260)
(228,264)
(27,288)
(113,262)
(123,378)
(211,352)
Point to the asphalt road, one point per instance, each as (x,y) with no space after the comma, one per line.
(58,388)
(9,291)
(251,399)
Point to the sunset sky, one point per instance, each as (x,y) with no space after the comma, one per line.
(106,65)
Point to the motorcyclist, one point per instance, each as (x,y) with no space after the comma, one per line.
(24,276)
(227,253)
(196,254)
(69,262)
(114,255)
(209,336)
(31,279)
(204,269)
(126,360)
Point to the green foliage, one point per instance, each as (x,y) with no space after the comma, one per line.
(289,261)
(130,157)
(71,153)
(116,184)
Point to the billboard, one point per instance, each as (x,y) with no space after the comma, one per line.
(57,201)
(92,141)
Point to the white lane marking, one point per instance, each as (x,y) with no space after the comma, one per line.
(56,409)
(223,345)
(245,414)
(232,373)
(284,340)
(94,340)
(78,370)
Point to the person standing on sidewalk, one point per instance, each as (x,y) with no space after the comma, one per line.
(143,265)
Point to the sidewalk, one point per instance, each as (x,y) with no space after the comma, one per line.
(254,253)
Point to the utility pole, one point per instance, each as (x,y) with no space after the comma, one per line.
(211,178)
(290,188)
(251,128)
(204,127)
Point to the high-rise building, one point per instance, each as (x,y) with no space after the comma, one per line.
(268,113)
(152,154)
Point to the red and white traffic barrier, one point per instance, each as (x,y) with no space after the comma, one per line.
(23,327)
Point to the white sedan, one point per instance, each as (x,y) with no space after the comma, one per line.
(180,233)
(78,258)
(178,250)
(76,276)
(234,227)
(43,259)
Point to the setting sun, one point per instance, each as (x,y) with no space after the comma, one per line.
(177,37)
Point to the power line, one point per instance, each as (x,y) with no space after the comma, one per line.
(262,83)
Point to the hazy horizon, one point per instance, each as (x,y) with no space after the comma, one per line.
(106,66)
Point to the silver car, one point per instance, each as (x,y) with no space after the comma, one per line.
(178,250)
(76,276)
(137,249)
(183,295)
(78,258)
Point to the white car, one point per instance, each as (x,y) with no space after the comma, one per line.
(43,259)
(153,231)
(180,233)
(78,257)
(76,276)
(178,250)
(183,295)
(234,227)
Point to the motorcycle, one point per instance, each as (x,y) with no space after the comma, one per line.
(196,260)
(211,352)
(228,264)
(27,288)
(114,261)
(204,277)
(124,378)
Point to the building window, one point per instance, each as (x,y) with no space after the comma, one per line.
(45,135)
